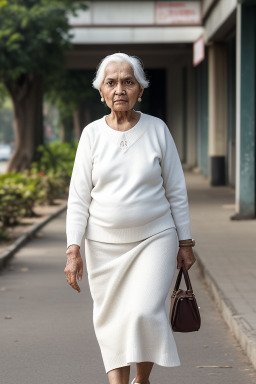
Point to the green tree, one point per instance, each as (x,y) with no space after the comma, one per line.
(71,91)
(33,37)
(3,94)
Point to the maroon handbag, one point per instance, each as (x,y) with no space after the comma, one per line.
(184,312)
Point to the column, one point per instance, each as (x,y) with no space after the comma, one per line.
(217,113)
(245,112)
(202,115)
(174,106)
(191,116)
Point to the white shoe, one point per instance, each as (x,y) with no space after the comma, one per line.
(133,382)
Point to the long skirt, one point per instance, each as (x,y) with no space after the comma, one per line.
(129,284)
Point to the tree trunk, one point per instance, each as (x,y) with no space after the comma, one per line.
(82,117)
(27,97)
(77,126)
(66,129)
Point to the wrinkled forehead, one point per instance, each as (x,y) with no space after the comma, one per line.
(119,69)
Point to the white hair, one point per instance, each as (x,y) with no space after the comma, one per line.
(134,61)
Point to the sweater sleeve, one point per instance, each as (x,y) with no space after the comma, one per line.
(79,197)
(175,187)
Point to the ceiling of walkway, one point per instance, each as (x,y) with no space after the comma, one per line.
(153,55)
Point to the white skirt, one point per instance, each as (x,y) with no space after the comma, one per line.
(129,284)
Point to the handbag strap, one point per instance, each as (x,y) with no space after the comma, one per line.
(186,277)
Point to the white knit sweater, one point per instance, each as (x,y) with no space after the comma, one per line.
(126,186)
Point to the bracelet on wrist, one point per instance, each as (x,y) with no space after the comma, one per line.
(187,243)
(73,244)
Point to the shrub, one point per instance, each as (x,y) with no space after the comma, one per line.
(18,194)
(56,158)
(53,185)
(46,180)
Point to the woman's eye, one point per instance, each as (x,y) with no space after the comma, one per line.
(110,82)
(128,82)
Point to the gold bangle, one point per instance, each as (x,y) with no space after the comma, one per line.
(187,243)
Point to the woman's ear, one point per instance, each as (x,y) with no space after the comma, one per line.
(141,91)
(101,97)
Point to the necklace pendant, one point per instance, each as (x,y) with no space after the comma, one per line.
(123,144)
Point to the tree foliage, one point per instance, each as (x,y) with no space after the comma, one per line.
(69,88)
(33,35)
(3,94)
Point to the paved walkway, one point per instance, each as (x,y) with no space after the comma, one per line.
(47,335)
(226,252)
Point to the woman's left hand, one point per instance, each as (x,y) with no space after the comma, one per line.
(185,254)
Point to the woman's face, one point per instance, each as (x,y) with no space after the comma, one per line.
(120,88)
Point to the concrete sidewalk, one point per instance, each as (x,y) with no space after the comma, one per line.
(47,333)
(225,251)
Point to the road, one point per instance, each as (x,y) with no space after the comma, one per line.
(47,334)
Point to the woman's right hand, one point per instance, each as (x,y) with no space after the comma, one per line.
(74,266)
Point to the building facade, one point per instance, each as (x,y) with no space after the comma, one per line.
(209,106)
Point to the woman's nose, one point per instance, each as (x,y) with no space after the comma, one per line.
(119,89)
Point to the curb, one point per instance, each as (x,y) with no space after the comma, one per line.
(238,325)
(6,256)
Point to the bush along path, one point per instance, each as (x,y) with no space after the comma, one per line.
(32,197)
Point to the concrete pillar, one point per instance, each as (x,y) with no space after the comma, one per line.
(245,112)
(168,96)
(174,106)
(191,116)
(202,115)
(217,112)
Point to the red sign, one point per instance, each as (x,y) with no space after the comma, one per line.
(178,13)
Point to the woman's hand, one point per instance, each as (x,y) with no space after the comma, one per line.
(74,266)
(185,254)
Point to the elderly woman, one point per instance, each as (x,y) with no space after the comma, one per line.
(128,196)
